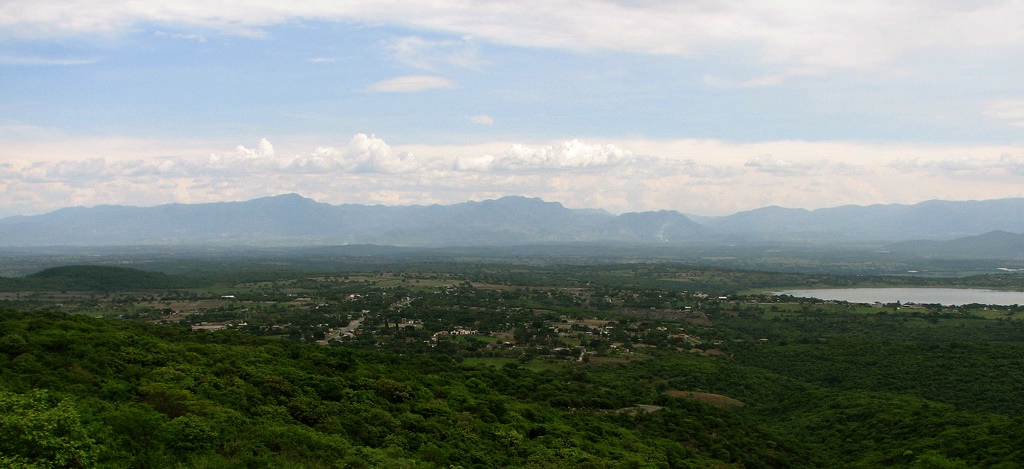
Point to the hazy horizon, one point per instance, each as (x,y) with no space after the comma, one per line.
(570,207)
(702,108)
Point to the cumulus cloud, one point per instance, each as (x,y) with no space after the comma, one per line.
(367,154)
(411,84)
(363,154)
(571,155)
(364,170)
(706,177)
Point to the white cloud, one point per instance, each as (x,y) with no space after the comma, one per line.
(363,154)
(482,119)
(770,164)
(694,176)
(572,155)
(978,167)
(44,61)
(188,37)
(20,131)
(1009,110)
(857,34)
(369,154)
(764,80)
(425,54)
(411,84)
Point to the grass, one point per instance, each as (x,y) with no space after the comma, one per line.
(496,362)
(540,365)
(717,400)
(99,313)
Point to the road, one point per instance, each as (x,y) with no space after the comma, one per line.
(349,329)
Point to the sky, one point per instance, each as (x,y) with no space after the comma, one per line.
(705,107)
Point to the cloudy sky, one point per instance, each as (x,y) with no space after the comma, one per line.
(706,107)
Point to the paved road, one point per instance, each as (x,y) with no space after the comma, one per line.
(349,329)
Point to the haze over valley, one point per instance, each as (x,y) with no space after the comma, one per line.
(943,238)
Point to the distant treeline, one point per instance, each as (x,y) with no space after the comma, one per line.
(98,278)
(668,276)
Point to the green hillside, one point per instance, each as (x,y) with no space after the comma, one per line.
(639,366)
(96,278)
(120,394)
(84,392)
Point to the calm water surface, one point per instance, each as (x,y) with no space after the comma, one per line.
(944,296)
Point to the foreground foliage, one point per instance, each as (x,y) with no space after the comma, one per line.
(768,384)
(159,396)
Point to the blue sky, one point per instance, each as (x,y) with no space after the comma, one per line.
(702,107)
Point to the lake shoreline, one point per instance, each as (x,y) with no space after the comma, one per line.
(919,295)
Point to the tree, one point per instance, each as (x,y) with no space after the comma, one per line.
(38,431)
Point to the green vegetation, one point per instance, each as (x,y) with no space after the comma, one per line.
(96,278)
(459,365)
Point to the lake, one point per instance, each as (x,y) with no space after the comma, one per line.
(943,296)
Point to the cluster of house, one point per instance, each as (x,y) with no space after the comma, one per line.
(216,326)
(457,330)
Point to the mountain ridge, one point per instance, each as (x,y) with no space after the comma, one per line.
(992,245)
(294,220)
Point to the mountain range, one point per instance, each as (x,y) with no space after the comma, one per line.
(293,220)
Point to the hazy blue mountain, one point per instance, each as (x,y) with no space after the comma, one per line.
(509,220)
(662,226)
(991,245)
(270,219)
(927,220)
(292,220)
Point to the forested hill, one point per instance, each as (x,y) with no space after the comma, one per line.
(83,392)
(96,278)
(823,392)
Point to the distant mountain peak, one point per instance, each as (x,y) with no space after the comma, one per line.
(292,219)
(289,197)
(520,200)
